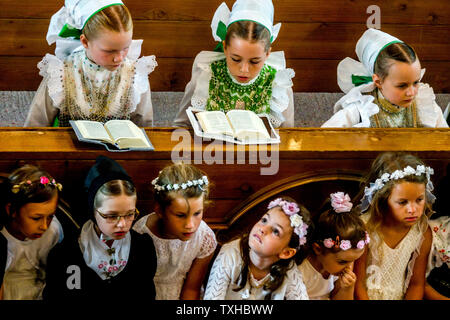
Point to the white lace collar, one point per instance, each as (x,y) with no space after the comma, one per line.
(106,261)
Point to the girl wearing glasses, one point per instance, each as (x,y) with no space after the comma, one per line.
(106,256)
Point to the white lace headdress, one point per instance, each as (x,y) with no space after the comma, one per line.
(353,73)
(66,25)
(397,174)
(260,11)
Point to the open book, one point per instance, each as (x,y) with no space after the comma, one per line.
(115,135)
(236,126)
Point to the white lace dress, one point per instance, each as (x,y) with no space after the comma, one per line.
(227,268)
(318,288)
(78,89)
(175,257)
(24,277)
(388,270)
(197,90)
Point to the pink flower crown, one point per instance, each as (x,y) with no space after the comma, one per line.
(42,181)
(291,209)
(345,244)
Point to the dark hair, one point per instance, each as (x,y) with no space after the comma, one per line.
(398,51)
(249,30)
(388,162)
(29,190)
(114,188)
(114,18)
(179,174)
(331,224)
(278,269)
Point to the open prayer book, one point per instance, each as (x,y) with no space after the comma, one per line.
(115,135)
(236,126)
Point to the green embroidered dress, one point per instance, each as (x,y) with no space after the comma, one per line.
(225,94)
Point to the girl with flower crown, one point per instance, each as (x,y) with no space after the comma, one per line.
(243,73)
(397,197)
(96,73)
(260,265)
(184,243)
(28,231)
(383,89)
(338,239)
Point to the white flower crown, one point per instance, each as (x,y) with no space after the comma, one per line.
(190,183)
(397,174)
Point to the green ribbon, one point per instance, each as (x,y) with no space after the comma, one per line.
(359,80)
(69,31)
(222,33)
(56,122)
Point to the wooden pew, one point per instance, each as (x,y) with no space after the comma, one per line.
(308,164)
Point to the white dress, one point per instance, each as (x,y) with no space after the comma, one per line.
(227,268)
(24,277)
(355,108)
(388,270)
(317,286)
(440,248)
(197,90)
(76,83)
(175,257)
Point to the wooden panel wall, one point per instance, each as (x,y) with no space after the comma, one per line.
(315,35)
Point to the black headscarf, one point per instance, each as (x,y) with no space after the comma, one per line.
(103,171)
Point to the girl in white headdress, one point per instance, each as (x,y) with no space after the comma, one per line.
(384,89)
(246,75)
(96,74)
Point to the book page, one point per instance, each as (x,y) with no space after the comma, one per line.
(247,125)
(126,134)
(214,122)
(93,130)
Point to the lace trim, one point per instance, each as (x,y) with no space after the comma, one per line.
(143,67)
(363,103)
(52,69)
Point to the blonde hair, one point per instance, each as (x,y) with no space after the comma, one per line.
(389,162)
(179,174)
(115,18)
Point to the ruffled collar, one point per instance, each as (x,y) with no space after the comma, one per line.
(106,261)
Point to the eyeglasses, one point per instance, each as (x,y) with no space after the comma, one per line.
(115,218)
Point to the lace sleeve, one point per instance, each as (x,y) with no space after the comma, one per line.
(209,242)
(296,289)
(219,278)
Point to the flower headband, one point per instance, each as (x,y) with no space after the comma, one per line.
(397,174)
(291,209)
(43,180)
(341,202)
(345,244)
(190,183)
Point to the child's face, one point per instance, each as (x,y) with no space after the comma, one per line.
(109,49)
(271,235)
(33,219)
(335,263)
(114,206)
(182,218)
(406,203)
(245,59)
(401,84)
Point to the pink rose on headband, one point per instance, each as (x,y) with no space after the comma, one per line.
(360,244)
(290,208)
(345,245)
(341,202)
(44,180)
(328,243)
